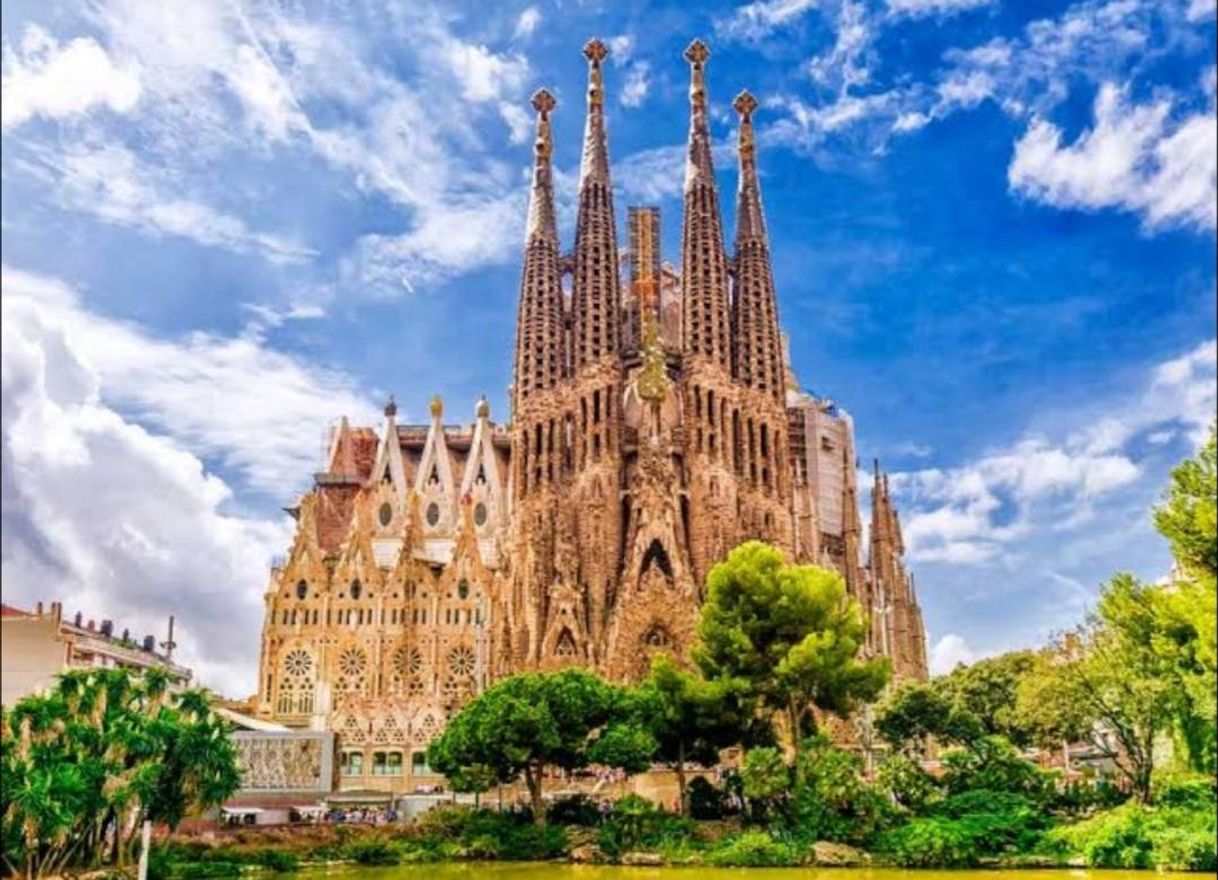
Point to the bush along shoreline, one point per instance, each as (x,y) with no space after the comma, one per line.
(822,823)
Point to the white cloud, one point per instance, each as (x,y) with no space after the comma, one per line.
(109,183)
(757,20)
(43,78)
(651,175)
(847,65)
(934,7)
(258,411)
(911,121)
(224,82)
(483,74)
(637,84)
(527,22)
(519,123)
(620,47)
(948,653)
(112,520)
(1134,158)
(978,513)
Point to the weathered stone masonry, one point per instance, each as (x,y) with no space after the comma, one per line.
(655,425)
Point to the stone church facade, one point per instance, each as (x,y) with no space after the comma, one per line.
(655,424)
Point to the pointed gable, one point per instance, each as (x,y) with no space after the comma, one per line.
(388,465)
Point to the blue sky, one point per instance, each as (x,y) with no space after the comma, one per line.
(226,224)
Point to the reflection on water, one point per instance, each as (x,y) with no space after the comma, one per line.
(548,871)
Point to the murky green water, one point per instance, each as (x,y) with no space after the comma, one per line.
(538,871)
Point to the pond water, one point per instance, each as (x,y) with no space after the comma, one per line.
(548,871)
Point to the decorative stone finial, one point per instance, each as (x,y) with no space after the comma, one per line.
(391,407)
(697,52)
(437,407)
(543,102)
(596,51)
(482,409)
(745,103)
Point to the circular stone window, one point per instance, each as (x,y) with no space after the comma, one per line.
(385,515)
(433,513)
(479,514)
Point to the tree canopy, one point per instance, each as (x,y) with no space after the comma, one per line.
(787,633)
(94,757)
(522,724)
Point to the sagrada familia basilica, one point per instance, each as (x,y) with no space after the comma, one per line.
(655,425)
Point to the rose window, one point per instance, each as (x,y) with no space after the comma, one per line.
(407,661)
(351,666)
(461,661)
(298,664)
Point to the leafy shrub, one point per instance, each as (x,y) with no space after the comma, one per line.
(1081,796)
(705,800)
(1138,836)
(371,852)
(574,810)
(753,849)
(992,764)
(932,843)
(1189,791)
(636,823)
(830,799)
(910,785)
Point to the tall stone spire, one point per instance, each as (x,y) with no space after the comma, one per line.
(540,354)
(757,344)
(595,292)
(703,261)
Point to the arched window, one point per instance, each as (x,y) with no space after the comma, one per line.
(302,590)
(657,554)
(356,589)
(565,646)
(657,637)
(463,588)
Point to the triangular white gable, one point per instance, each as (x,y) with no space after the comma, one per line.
(482,455)
(389,461)
(435,458)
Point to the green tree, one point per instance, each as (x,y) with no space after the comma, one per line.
(1113,671)
(914,715)
(1188,516)
(987,690)
(104,750)
(526,723)
(765,778)
(789,634)
(690,718)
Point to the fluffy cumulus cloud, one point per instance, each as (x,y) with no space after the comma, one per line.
(978,513)
(114,520)
(948,653)
(256,411)
(42,77)
(1136,157)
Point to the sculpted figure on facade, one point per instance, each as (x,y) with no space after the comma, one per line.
(655,424)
